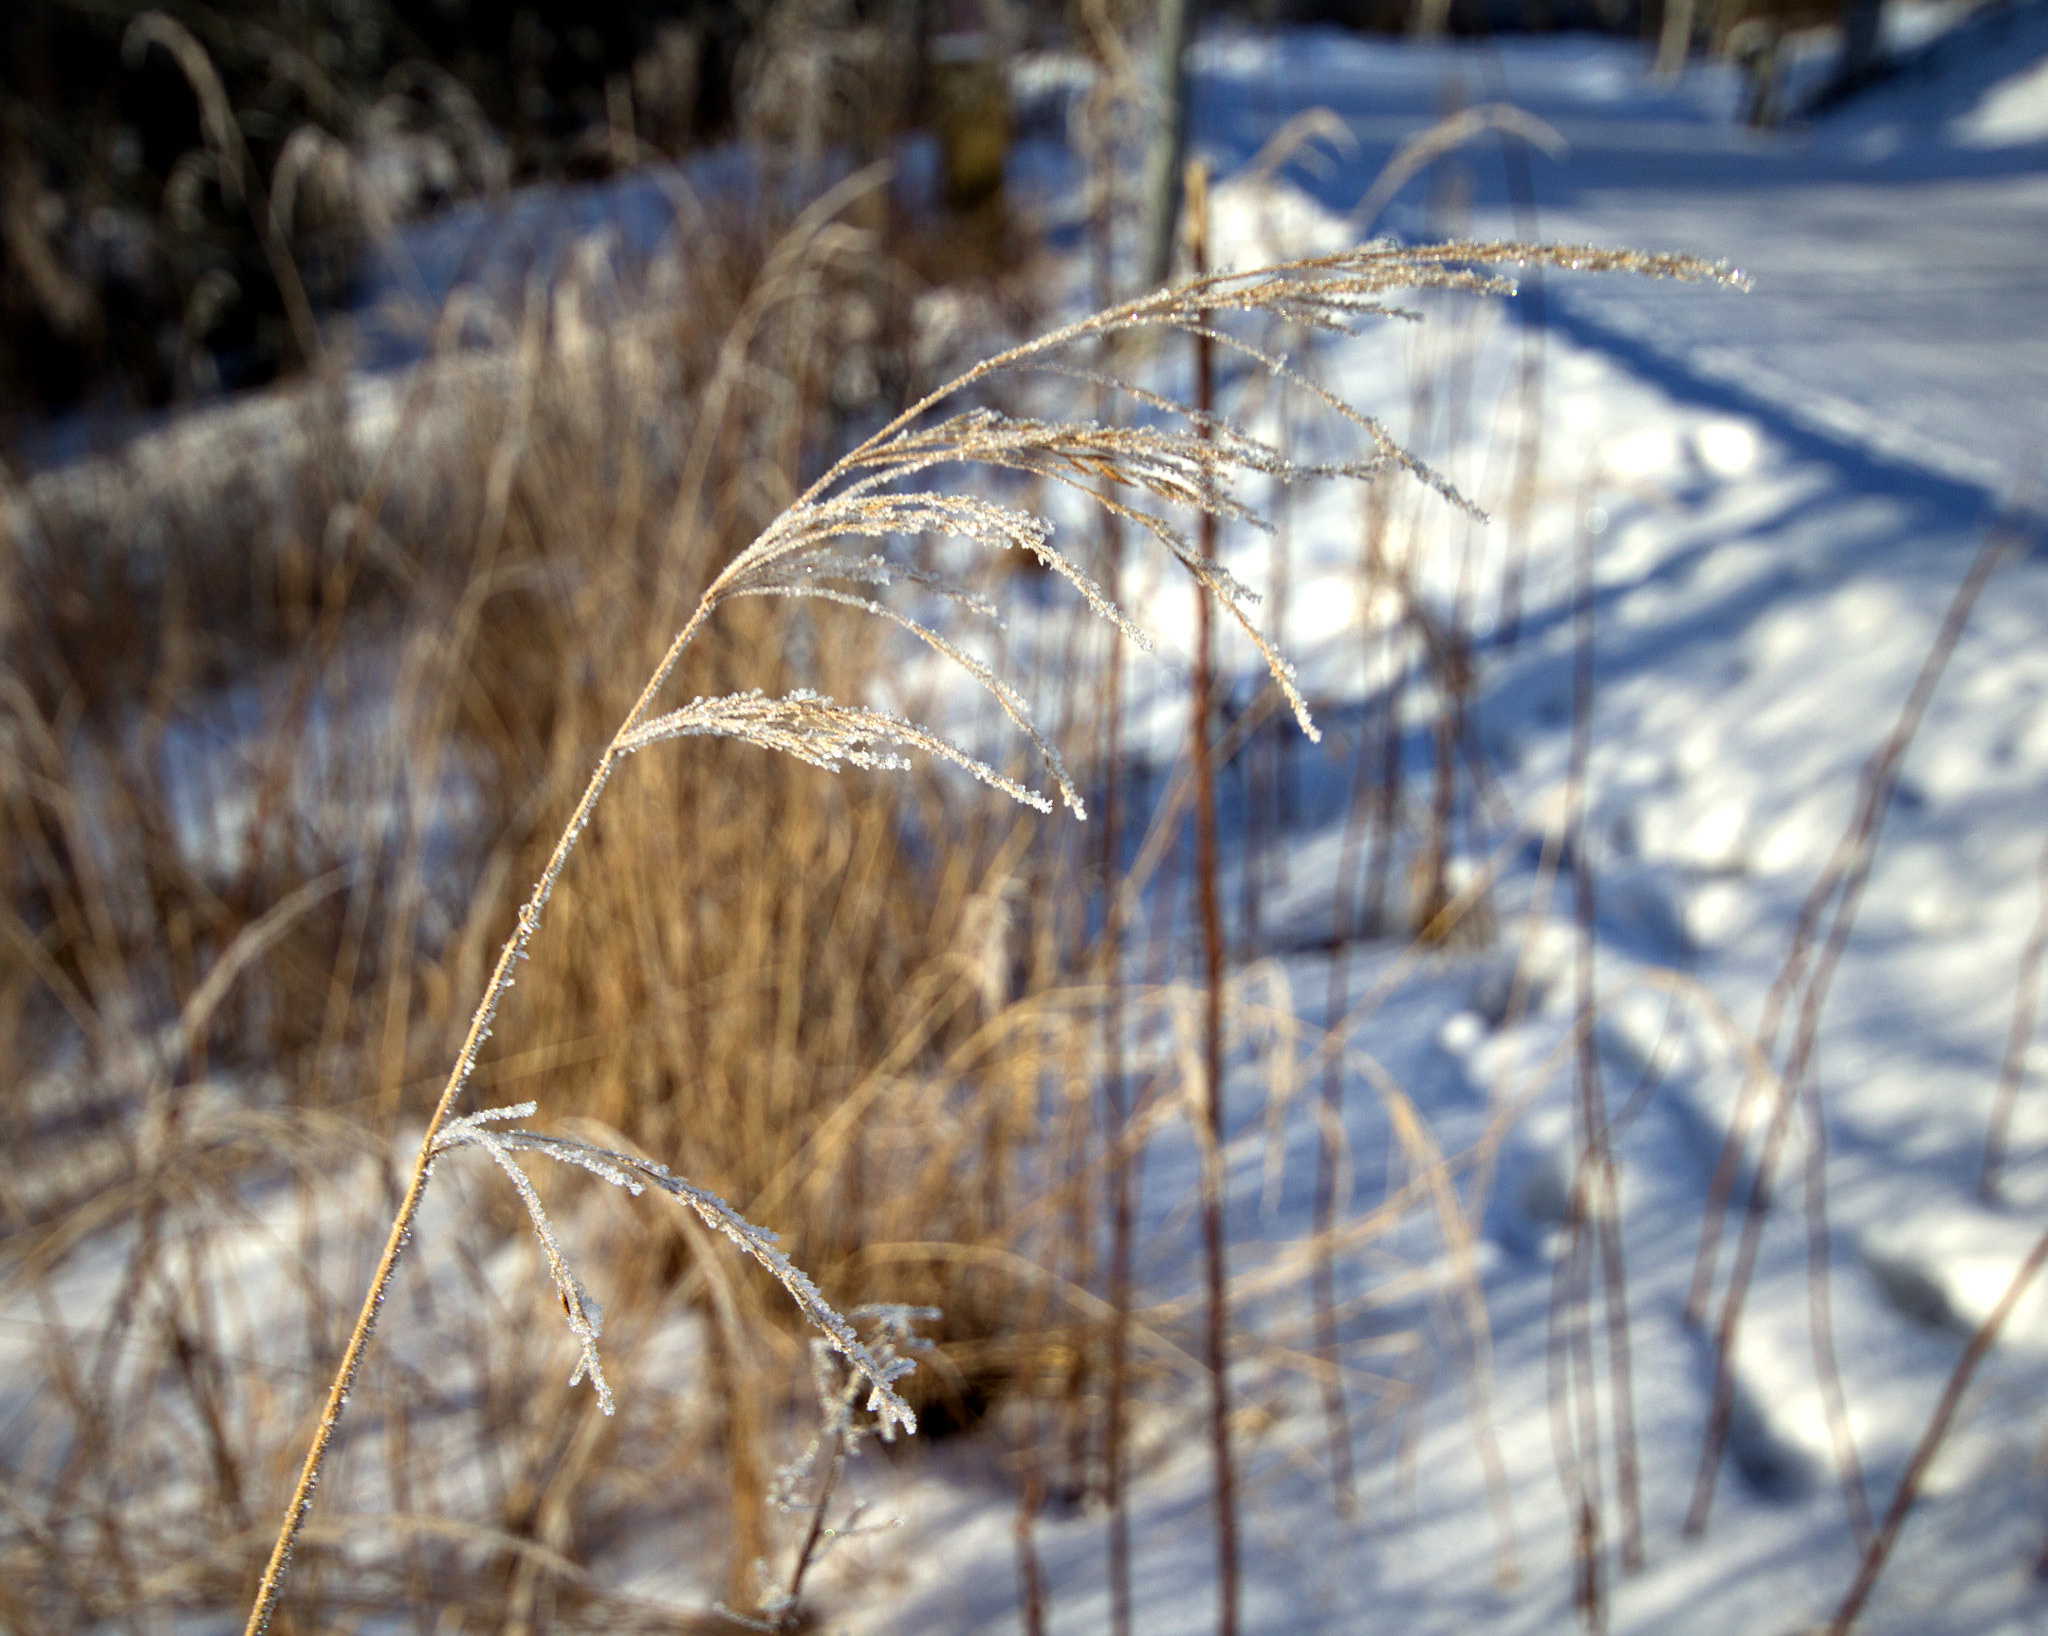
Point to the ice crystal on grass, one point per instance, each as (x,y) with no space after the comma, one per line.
(879,1368)
(829,735)
(586,1319)
(1183,459)
(807,1484)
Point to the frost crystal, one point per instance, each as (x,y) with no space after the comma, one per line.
(879,1369)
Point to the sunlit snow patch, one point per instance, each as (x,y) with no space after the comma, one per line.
(2011,113)
(1949,1268)
(1727,448)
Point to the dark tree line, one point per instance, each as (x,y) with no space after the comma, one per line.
(186,188)
(134,266)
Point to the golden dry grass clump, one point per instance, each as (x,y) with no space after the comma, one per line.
(284,720)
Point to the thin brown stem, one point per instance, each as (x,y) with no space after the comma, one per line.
(2026,1002)
(1215,1244)
(814,1531)
(513,951)
(1598,1157)
(1589,1201)
(1031,1459)
(1574,1423)
(1343,932)
(1848,869)
(1030,1571)
(1122,1214)
(1880,1548)
(1109,956)
(1614,1269)
(1821,1319)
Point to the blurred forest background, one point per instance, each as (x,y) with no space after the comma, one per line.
(161,250)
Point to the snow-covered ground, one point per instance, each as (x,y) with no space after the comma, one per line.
(1783,490)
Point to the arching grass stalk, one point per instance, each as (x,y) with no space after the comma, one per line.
(813,549)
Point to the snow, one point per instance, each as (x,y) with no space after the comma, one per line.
(1784,490)
(2015,111)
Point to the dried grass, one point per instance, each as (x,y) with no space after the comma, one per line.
(836,1003)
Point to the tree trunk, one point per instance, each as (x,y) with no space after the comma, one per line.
(1674,43)
(1169,143)
(1862,47)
